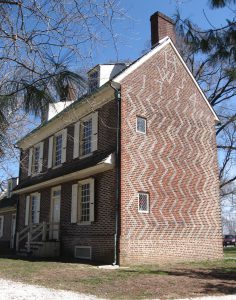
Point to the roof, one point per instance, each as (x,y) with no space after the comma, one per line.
(68,168)
(120,76)
(162,43)
(8,202)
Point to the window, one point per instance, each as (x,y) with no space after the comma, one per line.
(32,209)
(143,202)
(35,159)
(141,124)
(93,81)
(86,135)
(82,208)
(55,212)
(35,165)
(57,149)
(85,202)
(1,225)
(83,252)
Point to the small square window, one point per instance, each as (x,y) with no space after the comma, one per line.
(141,124)
(143,202)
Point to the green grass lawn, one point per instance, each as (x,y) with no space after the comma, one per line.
(170,281)
(230,252)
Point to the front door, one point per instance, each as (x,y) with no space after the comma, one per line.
(13,230)
(55,212)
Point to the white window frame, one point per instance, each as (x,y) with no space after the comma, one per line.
(85,119)
(28,208)
(37,195)
(33,160)
(93,82)
(54,227)
(78,130)
(140,117)
(2,224)
(54,149)
(31,167)
(76,205)
(148,203)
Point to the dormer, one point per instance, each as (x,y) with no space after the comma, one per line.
(101,74)
(11,184)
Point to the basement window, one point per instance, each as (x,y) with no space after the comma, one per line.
(83,252)
(143,202)
(141,125)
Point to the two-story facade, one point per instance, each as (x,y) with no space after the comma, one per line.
(127,173)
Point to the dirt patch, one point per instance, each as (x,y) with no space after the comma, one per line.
(163,282)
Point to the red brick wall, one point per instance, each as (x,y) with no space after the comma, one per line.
(106,139)
(99,235)
(161,27)
(7,225)
(175,162)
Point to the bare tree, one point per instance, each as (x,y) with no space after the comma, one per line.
(218,82)
(42,45)
(38,37)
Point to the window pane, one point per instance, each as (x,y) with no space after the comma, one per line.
(58,149)
(36,159)
(141,124)
(143,202)
(33,212)
(86,137)
(85,202)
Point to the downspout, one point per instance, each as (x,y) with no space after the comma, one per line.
(18,200)
(116,88)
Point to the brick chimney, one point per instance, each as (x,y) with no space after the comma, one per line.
(161,26)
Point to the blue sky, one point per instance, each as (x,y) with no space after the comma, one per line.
(134,32)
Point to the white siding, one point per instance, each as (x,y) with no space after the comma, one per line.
(27,208)
(50,151)
(74,203)
(64,143)
(30,161)
(76,140)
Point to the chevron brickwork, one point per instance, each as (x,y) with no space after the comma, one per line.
(175,162)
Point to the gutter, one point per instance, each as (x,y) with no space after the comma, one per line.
(116,88)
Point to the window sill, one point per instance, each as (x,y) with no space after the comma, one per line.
(86,155)
(35,174)
(58,166)
(84,223)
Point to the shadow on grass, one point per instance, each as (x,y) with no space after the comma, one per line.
(63,260)
(222,288)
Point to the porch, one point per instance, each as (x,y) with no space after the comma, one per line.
(39,240)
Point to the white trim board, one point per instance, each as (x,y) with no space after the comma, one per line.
(165,41)
(105,165)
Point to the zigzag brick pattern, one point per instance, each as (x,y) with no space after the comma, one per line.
(175,162)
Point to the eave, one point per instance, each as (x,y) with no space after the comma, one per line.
(107,164)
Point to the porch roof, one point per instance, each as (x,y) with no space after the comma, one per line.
(8,203)
(97,163)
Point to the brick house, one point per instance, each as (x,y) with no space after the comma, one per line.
(8,207)
(127,173)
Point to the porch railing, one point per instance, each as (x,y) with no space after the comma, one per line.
(36,232)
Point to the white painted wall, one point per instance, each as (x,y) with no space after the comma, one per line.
(107,72)
(55,108)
